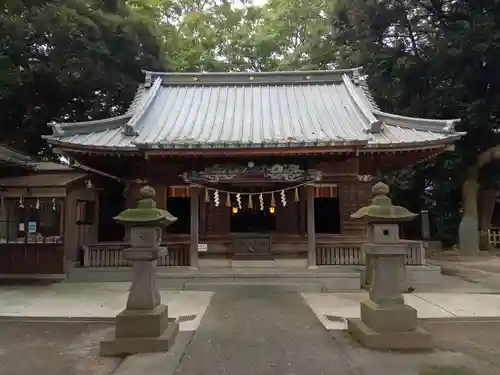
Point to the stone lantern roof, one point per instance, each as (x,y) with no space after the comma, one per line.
(146,211)
(381,209)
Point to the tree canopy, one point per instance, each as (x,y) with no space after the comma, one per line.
(69,60)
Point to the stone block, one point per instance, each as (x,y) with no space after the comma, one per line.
(142,323)
(417,339)
(389,318)
(121,347)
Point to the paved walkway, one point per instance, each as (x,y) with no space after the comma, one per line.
(260,332)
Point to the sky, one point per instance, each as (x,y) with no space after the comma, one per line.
(255,2)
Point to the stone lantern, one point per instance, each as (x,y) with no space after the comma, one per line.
(144,325)
(386,321)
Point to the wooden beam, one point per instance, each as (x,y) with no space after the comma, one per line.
(311,232)
(195,219)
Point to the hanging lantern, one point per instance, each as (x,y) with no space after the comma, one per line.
(234,210)
(207,197)
(228,200)
(297,198)
(272,209)
(273,202)
(250,201)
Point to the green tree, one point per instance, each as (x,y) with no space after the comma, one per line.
(438,59)
(69,60)
(215,35)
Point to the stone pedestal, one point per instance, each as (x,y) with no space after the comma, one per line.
(386,321)
(144,325)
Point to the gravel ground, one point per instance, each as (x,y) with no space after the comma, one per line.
(65,348)
(479,339)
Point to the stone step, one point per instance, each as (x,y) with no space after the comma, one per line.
(253,263)
(284,286)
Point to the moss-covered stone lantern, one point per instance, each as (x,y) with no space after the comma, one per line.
(144,325)
(386,321)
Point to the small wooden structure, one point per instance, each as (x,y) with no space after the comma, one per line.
(47,211)
(255,166)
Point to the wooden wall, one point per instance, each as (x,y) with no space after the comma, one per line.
(76,235)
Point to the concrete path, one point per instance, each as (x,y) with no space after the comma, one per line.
(94,300)
(333,309)
(259,332)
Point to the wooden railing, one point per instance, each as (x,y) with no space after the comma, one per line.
(32,258)
(329,254)
(494,237)
(110,255)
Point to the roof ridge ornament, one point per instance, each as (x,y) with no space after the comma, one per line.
(356,76)
(148,79)
(376,127)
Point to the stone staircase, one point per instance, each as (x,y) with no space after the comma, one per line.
(321,279)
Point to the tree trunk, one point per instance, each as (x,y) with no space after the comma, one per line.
(468,234)
(486,205)
(467,231)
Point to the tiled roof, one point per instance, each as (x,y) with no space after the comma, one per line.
(41,180)
(13,157)
(254,110)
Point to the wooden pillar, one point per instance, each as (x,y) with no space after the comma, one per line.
(302,211)
(311,233)
(195,219)
(425,225)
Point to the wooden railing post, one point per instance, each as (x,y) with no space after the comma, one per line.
(86,256)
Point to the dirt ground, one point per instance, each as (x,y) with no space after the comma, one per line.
(479,339)
(54,348)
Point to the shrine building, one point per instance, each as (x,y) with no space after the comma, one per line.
(255,166)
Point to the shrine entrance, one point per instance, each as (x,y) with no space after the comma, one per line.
(262,207)
(253,222)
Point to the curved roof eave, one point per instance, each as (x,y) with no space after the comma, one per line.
(90,148)
(85,127)
(422,145)
(438,126)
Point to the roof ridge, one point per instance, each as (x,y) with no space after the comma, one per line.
(250,73)
(142,108)
(251,78)
(373,122)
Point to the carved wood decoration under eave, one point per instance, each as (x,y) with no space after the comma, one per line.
(276,172)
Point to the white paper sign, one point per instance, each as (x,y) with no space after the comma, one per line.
(202,247)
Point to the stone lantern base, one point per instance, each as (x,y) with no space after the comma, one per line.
(141,331)
(389,327)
